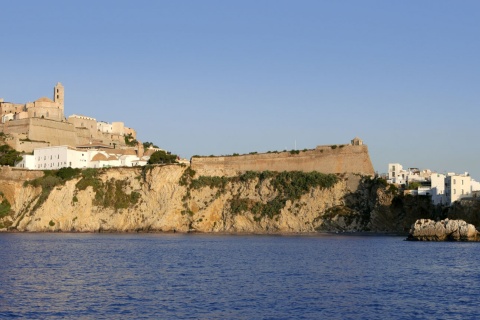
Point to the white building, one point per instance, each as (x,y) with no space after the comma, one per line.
(28,162)
(104,127)
(7,117)
(444,188)
(457,186)
(396,174)
(437,187)
(52,158)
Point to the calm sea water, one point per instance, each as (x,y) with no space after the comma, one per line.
(169,276)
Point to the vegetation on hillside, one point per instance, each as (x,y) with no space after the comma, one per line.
(130,140)
(110,194)
(147,145)
(162,157)
(51,179)
(5,210)
(8,156)
(289,186)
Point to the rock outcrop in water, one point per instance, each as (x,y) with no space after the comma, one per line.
(444,230)
(175,198)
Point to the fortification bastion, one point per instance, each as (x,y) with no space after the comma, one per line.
(351,158)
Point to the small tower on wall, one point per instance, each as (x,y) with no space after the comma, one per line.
(59,95)
(357,141)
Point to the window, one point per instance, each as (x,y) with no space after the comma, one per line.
(393,168)
(462,182)
(454,191)
(454,181)
(462,191)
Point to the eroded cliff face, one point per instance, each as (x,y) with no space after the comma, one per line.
(172,198)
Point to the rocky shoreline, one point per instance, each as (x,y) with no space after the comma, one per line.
(175,198)
(443,230)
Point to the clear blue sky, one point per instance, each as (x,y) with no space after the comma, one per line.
(218,77)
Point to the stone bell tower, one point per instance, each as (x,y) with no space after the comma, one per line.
(59,95)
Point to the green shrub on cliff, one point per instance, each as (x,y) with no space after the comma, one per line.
(187,176)
(9,156)
(289,186)
(113,195)
(209,181)
(110,194)
(51,179)
(293,184)
(68,173)
(5,208)
(89,179)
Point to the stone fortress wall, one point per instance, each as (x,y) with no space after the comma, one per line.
(351,158)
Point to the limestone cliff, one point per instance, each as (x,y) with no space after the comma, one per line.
(175,198)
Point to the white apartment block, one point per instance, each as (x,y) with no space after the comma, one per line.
(437,188)
(444,188)
(457,186)
(396,174)
(51,158)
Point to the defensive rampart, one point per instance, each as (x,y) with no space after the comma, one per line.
(55,132)
(28,134)
(325,159)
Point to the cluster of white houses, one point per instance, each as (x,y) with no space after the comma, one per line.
(86,156)
(77,141)
(443,188)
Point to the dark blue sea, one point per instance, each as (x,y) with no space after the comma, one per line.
(191,276)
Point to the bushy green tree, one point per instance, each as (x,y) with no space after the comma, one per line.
(147,144)
(9,156)
(162,157)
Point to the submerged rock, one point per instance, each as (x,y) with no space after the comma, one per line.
(444,230)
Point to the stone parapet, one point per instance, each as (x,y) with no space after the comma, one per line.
(334,159)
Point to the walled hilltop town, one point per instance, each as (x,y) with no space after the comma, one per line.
(79,141)
(41,128)
(328,188)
